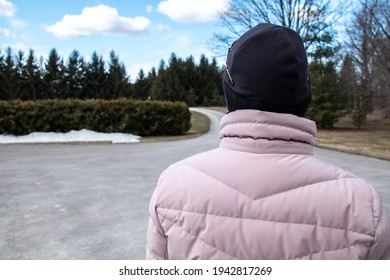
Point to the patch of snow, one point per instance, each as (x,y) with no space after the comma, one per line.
(83,135)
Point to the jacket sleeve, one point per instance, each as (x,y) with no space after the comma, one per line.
(380,247)
(156,241)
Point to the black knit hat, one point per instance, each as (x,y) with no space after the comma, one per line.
(266,69)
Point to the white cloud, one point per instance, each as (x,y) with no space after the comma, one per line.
(193,11)
(7,8)
(98,20)
(6,33)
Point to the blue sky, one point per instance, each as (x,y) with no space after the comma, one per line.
(140,32)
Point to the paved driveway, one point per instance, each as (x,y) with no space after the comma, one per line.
(91,201)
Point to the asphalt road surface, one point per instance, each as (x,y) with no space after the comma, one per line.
(90,201)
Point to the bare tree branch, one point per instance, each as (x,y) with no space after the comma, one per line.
(310,18)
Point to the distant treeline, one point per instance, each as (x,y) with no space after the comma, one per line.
(27,77)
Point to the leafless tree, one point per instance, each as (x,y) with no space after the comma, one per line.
(310,18)
(369,42)
(382,23)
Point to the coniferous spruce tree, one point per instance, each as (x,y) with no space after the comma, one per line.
(174,89)
(210,85)
(151,78)
(20,69)
(202,87)
(215,97)
(190,80)
(33,77)
(142,86)
(74,75)
(9,86)
(54,76)
(158,86)
(118,81)
(2,66)
(96,82)
(328,102)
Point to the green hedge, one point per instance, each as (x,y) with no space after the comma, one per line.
(143,118)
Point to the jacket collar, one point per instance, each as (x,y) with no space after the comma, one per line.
(256,131)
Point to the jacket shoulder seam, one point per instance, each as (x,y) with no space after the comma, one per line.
(270,195)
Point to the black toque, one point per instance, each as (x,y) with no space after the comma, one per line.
(267,69)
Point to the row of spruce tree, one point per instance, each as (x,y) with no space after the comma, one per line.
(27,77)
(336,92)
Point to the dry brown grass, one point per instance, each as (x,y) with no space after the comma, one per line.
(372,139)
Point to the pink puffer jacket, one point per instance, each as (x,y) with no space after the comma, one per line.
(263,195)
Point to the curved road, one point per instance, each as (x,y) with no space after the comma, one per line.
(91,201)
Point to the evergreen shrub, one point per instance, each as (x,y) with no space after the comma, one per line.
(143,118)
